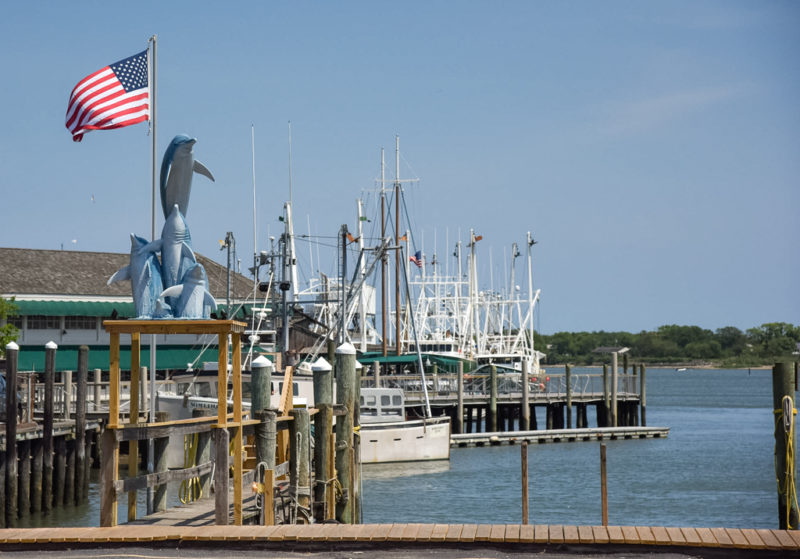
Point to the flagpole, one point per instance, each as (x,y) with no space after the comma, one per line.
(152,82)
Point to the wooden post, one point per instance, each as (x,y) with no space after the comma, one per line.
(98,380)
(47,434)
(238,430)
(80,424)
(603,484)
(69,476)
(138,373)
(783,393)
(568,375)
(60,471)
(614,382)
(525,408)
(323,424)
(24,453)
(203,454)
(108,475)
(376,369)
(260,383)
(12,357)
(493,400)
(66,380)
(643,395)
(345,396)
(460,407)
(606,401)
(2,488)
(524,452)
(299,467)
(222,499)
(37,464)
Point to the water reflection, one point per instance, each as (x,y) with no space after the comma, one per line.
(403,469)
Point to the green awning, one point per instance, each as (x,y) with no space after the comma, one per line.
(167,357)
(75,308)
(449,364)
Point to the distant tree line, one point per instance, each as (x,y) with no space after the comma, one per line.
(673,344)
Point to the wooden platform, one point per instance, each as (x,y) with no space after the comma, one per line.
(558,435)
(533,538)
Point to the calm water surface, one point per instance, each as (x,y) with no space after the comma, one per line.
(715,469)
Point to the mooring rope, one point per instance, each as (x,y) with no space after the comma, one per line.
(786,415)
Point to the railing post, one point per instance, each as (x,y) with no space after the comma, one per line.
(460,408)
(525,415)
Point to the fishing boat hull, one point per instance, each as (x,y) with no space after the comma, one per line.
(405,441)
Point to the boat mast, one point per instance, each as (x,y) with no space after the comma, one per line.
(397,242)
(383,257)
(362,272)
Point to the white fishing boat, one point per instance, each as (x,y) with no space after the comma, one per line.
(387,436)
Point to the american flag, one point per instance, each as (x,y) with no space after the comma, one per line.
(416,259)
(112,97)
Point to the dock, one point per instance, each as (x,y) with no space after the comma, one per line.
(558,435)
(448,540)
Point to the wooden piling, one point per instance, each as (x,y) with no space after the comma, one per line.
(459,422)
(492,427)
(80,425)
(606,401)
(60,471)
(299,467)
(2,488)
(69,475)
(525,409)
(642,395)
(345,396)
(24,482)
(568,377)
(37,462)
(783,395)
(323,425)
(603,484)
(12,495)
(614,382)
(47,433)
(222,498)
(524,452)
(66,380)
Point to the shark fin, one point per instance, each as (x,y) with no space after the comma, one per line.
(202,169)
(120,275)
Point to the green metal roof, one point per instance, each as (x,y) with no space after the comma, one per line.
(444,363)
(167,357)
(75,308)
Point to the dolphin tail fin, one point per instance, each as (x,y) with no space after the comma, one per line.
(202,169)
(120,275)
(209,301)
(174,291)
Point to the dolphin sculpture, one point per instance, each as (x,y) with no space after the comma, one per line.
(175,245)
(177,169)
(191,295)
(144,273)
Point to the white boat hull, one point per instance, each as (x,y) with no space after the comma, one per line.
(406,441)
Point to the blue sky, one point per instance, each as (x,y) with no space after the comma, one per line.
(651,147)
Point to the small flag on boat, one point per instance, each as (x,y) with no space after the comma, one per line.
(113,97)
(416,259)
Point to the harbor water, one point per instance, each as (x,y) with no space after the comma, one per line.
(716,468)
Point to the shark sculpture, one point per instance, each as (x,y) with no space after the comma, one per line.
(177,169)
(175,245)
(144,273)
(192,298)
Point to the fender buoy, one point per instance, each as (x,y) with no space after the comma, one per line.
(541,387)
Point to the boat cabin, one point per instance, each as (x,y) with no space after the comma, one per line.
(382,405)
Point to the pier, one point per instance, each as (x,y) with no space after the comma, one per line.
(558,436)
